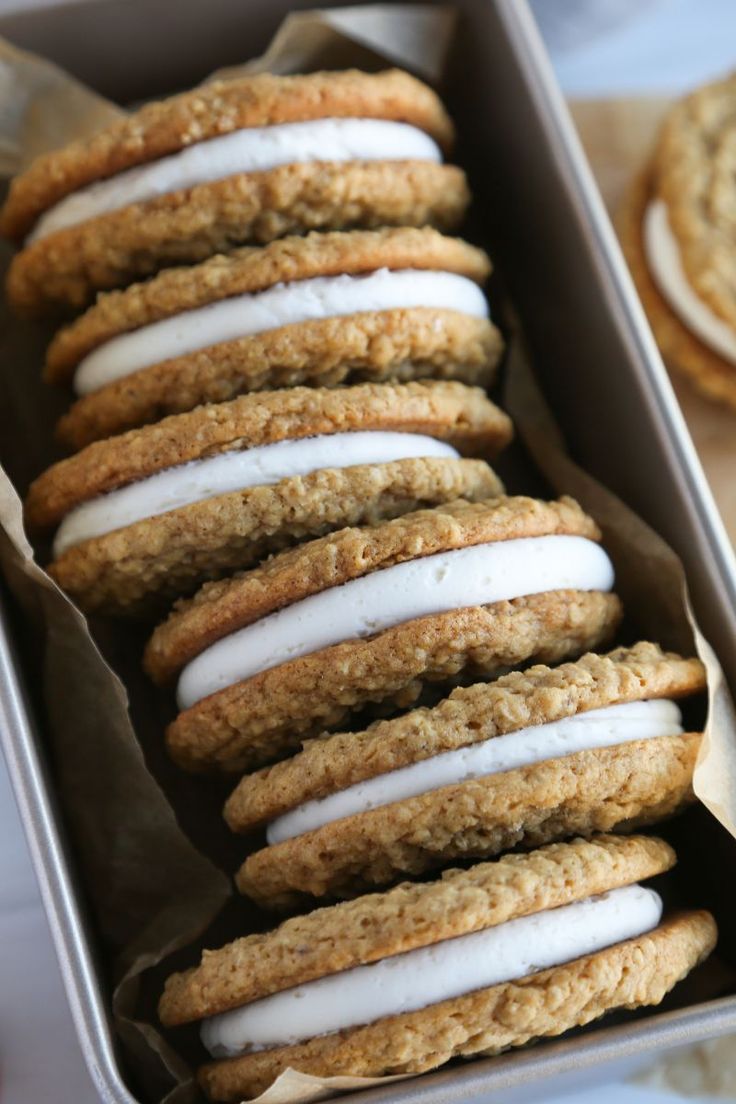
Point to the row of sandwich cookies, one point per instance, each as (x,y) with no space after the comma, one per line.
(377,616)
(177,182)
(145,515)
(538,755)
(398,301)
(415,571)
(585,745)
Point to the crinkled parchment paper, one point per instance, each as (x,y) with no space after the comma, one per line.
(133,820)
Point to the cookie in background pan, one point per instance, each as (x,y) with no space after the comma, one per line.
(371,616)
(244,160)
(536,756)
(148,516)
(481,960)
(322,310)
(677,230)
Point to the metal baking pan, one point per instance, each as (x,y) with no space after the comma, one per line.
(539,210)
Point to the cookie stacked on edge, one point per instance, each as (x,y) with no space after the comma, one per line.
(236,161)
(146,516)
(536,755)
(676,229)
(374,616)
(326,309)
(286,437)
(484,959)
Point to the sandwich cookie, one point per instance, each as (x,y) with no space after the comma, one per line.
(250,159)
(480,961)
(369,616)
(322,310)
(535,756)
(676,229)
(153,513)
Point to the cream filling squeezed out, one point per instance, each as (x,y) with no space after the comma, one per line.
(234,471)
(361,607)
(280,305)
(425,976)
(252,149)
(665,263)
(597,728)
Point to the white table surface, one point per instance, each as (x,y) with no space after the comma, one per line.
(598,51)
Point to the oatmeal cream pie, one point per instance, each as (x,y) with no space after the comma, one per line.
(677,231)
(236,161)
(365,616)
(152,514)
(324,309)
(481,960)
(537,755)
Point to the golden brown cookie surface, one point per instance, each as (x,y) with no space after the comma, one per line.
(224,607)
(250,270)
(265,717)
(340,937)
(693,171)
(471,715)
(636,972)
(162,555)
(402,345)
(449,411)
(601,790)
(68,267)
(218,108)
(680,348)
(138,570)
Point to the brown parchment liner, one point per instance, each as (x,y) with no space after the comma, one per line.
(152,890)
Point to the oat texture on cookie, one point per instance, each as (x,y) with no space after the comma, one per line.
(536,755)
(281,440)
(241,161)
(148,516)
(374,618)
(674,225)
(485,905)
(321,310)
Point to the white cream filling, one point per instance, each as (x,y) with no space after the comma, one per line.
(234,471)
(598,728)
(254,149)
(425,976)
(665,263)
(361,607)
(280,305)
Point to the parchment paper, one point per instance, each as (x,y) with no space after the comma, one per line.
(152,891)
